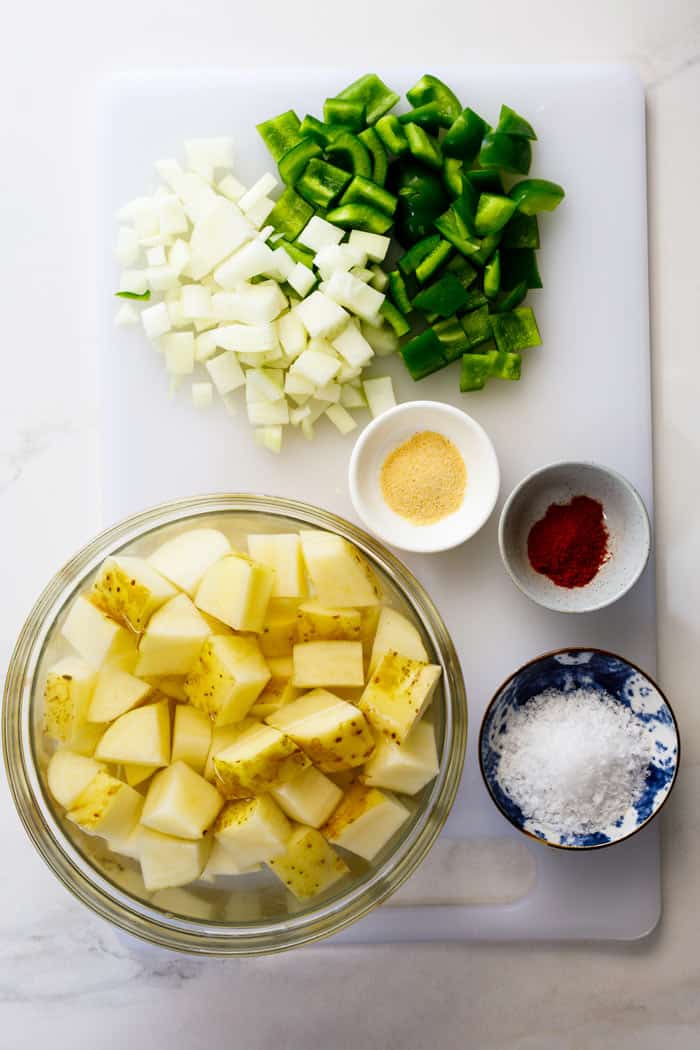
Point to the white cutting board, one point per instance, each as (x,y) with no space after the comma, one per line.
(584,395)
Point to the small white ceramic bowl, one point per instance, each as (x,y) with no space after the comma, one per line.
(394,427)
(627,523)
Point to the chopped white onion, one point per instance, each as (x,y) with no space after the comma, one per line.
(248,339)
(179,257)
(353,347)
(162,278)
(351,397)
(380,394)
(205,346)
(292,335)
(382,340)
(318,368)
(252,260)
(270,438)
(126,315)
(178,350)
(156,320)
(226,373)
(337,257)
(356,296)
(301,278)
(196,301)
(318,233)
(127,251)
(380,280)
(329,392)
(171,215)
(202,395)
(257,192)
(375,245)
(230,187)
(268,413)
(259,212)
(156,256)
(207,154)
(264,384)
(320,315)
(341,418)
(134,281)
(215,236)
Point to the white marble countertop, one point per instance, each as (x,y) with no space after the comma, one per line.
(67,979)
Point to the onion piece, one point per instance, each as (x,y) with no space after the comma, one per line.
(341,418)
(226,372)
(380,394)
(202,395)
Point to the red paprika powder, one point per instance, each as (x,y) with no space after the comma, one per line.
(570,543)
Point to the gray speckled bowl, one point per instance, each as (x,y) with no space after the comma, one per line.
(625,516)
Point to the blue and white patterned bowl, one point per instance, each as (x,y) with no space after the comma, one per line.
(570,669)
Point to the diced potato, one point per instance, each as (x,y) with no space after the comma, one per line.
(277,693)
(85,738)
(191,737)
(180,803)
(308,865)
(280,628)
(184,559)
(116,692)
(106,807)
(332,732)
(316,623)
(92,633)
(141,736)
(259,759)
(222,862)
(68,774)
(368,628)
(221,738)
(137,774)
(252,830)
(130,590)
(340,576)
(167,861)
(281,552)
(328,664)
(227,679)
(236,590)
(182,902)
(172,685)
(365,821)
(344,778)
(395,632)
(309,797)
(280,666)
(67,694)
(398,693)
(173,639)
(407,767)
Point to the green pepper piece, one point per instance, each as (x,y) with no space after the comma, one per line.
(464,137)
(487,247)
(492,213)
(374,95)
(344,111)
(392,134)
(476,298)
(485,181)
(511,123)
(516,330)
(430,89)
(351,154)
(280,133)
(507,152)
(380,161)
(398,292)
(444,297)
(453,176)
(422,198)
(432,262)
(395,318)
(423,147)
(294,161)
(492,276)
(453,338)
(141,296)
(462,270)
(477,326)
(297,253)
(322,182)
(429,116)
(290,214)
(312,127)
(507,301)
(520,264)
(507,365)
(534,195)
(476,369)
(423,355)
(522,231)
(454,229)
(410,260)
(484,348)
(364,191)
(359,217)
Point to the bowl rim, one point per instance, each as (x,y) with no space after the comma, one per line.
(405,408)
(86,881)
(529,663)
(621,480)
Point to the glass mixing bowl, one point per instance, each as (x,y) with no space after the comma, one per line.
(241,915)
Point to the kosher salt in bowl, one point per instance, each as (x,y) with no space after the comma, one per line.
(598,671)
(626,520)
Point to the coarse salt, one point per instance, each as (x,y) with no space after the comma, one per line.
(574,760)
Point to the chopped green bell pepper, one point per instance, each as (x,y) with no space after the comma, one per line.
(487,247)
(410,260)
(423,147)
(322,182)
(141,296)
(492,276)
(395,318)
(535,195)
(464,137)
(380,161)
(344,111)
(374,95)
(364,191)
(297,253)
(429,116)
(516,330)
(520,264)
(462,270)
(398,292)
(350,154)
(392,134)
(476,369)
(359,217)
(453,338)
(430,89)
(507,152)
(422,197)
(477,326)
(432,262)
(522,231)
(454,229)
(292,164)
(453,175)
(290,214)
(492,213)
(485,181)
(423,354)
(444,297)
(511,123)
(507,301)
(507,365)
(476,298)
(280,133)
